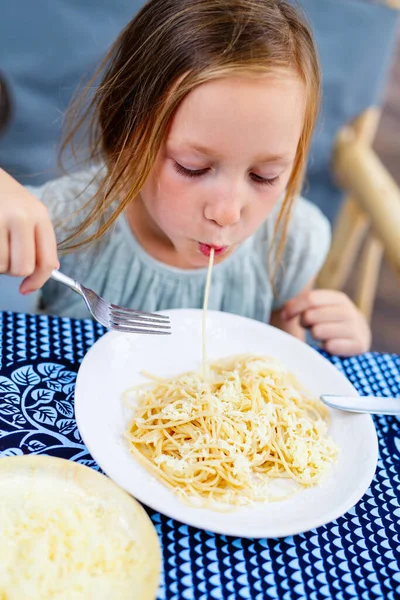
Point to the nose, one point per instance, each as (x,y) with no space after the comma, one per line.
(225,212)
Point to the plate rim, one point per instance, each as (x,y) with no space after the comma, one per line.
(352,500)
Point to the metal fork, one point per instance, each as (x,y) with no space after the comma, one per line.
(113,316)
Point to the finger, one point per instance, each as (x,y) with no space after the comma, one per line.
(312,299)
(4,250)
(22,248)
(342,347)
(327,331)
(322,314)
(46,258)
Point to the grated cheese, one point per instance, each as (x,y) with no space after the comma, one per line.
(58,543)
(227,437)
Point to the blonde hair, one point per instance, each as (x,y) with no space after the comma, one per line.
(168,49)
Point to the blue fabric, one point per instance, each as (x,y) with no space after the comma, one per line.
(11,299)
(356,41)
(46,49)
(354,557)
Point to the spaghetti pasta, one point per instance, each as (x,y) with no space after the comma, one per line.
(221,437)
(226,438)
(205,307)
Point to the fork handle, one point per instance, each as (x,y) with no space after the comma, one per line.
(68,281)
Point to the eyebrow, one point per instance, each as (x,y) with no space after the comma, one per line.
(283,158)
(199,149)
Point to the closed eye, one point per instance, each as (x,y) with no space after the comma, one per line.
(263,180)
(189,172)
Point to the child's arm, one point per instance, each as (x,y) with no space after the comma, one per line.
(331,317)
(28,245)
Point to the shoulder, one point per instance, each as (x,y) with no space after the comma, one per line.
(307,243)
(73,189)
(308,229)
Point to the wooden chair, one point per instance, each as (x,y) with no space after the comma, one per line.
(366,225)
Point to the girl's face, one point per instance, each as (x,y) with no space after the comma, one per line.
(225,162)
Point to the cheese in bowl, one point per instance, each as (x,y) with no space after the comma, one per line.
(69,533)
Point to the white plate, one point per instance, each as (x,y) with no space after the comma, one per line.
(114,364)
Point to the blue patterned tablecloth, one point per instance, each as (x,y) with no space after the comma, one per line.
(356,556)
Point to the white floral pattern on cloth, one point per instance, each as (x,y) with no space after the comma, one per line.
(37,403)
(39,360)
(355,557)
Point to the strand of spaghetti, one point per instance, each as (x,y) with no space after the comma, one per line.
(205,306)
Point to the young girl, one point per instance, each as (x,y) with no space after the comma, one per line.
(200,132)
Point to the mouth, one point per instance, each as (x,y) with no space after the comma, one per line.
(205,249)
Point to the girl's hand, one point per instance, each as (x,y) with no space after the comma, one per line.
(333,319)
(28,245)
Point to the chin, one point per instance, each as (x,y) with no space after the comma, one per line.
(198,261)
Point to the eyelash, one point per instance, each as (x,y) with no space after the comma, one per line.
(189,172)
(192,173)
(262,181)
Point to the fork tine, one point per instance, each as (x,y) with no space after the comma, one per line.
(120,318)
(146,330)
(131,318)
(135,323)
(139,313)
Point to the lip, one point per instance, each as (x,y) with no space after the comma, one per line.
(205,249)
